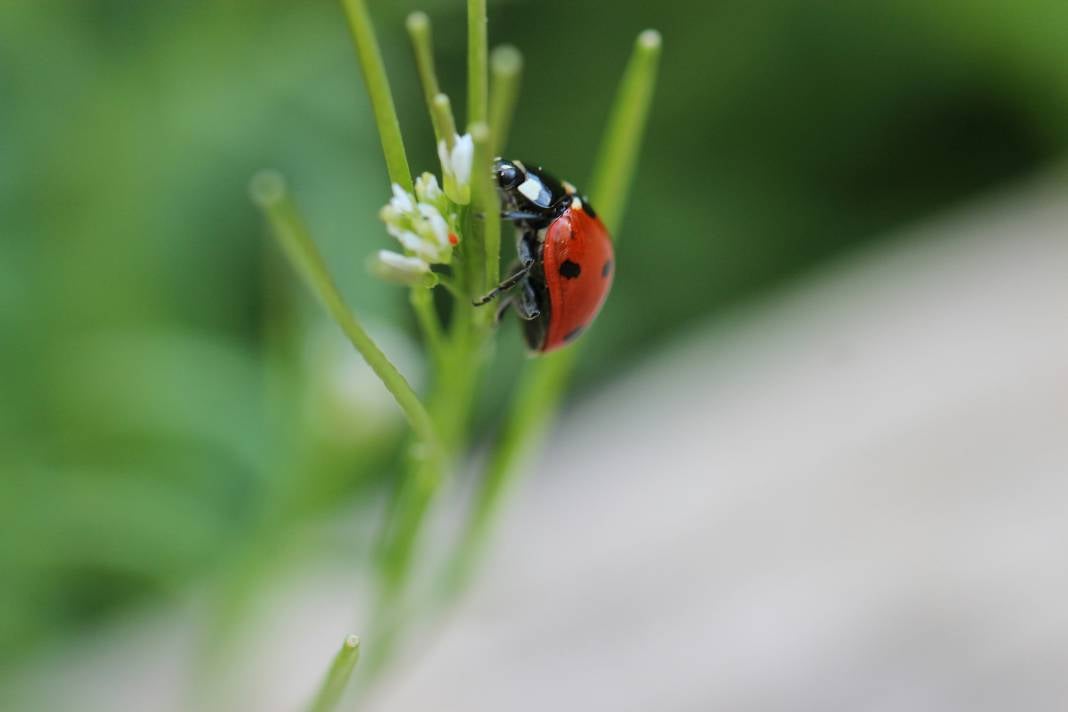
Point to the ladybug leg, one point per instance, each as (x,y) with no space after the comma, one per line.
(505,305)
(526,303)
(515,216)
(520,215)
(505,285)
(525,248)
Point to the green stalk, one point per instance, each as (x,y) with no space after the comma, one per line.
(487,204)
(422,301)
(544,381)
(506,70)
(441,111)
(419,32)
(614,168)
(540,389)
(456,376)
(374,76)
(476,62)
(337,678)
(268,190)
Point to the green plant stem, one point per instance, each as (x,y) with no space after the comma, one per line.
(422,301)
(477,49)
(473,268)
(450,405)
(441,111)
(269,192)
(374,76)
(506,71)
(337,677)
(614,168)
(540,390)
(421,36)
(487,204)
(544,381)
(456,378)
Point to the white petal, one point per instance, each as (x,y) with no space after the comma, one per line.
(422,248)
(402,201)
(463,154)
(398,268)
(443,156)
(409,240)
(403,263)
(439,228)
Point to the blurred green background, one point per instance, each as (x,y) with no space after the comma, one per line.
(160,374)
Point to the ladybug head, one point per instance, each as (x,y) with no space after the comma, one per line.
(507,173)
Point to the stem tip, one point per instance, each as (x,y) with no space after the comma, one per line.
(506,59)
(441,108)
(417,22)
(267,188)
(649,39)
(352,641)
(480,132)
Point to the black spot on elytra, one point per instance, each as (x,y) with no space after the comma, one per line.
(573,334)
(570,270)
(607,269)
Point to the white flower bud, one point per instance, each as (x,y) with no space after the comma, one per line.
(456,167)
(427,189)
(402,269)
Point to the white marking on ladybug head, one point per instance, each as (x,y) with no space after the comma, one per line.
(576,203)
(530,188)
(569,189)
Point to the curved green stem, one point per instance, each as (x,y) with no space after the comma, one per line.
(374,76)
(337,677)
(269,192)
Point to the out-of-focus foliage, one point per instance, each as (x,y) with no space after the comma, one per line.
(167,400)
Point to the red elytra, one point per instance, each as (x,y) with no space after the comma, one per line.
(578,265)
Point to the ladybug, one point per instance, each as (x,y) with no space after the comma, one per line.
(565,259)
